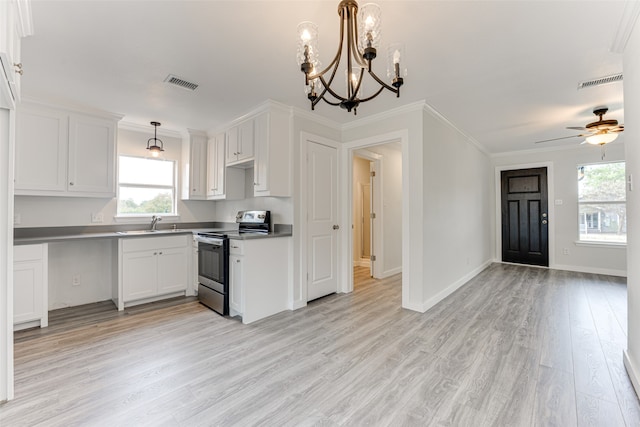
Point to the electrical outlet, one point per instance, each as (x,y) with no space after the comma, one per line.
(75,280)
(565,251)
(17,219)
(97,217)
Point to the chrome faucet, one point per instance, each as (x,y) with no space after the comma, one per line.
(154,221)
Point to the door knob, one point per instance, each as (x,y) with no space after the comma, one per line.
(336,227)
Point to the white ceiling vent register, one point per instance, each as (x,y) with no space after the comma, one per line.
(177,81)
(601,81)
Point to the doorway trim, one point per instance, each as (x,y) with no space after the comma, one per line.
(377,241)
(551,210)
(346,211)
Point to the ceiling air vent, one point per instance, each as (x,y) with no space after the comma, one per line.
(174,80)
(600,81)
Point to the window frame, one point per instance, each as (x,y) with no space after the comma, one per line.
(173,188)
(583,242)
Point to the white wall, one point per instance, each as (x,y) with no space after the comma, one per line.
(632,149)
(281,207)
(391,206)
(6,253)
(91,261)
(457,215)
(592,259)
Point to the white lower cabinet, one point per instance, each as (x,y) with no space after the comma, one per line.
(30,286)
(151,268)
(259,277)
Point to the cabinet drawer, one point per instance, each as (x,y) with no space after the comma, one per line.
(27,252)
(131,244)
(236,247)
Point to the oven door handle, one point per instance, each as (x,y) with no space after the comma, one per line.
(212,242)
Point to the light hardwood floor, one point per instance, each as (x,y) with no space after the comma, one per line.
(516,346)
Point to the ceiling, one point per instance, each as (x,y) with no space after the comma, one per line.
(504,72)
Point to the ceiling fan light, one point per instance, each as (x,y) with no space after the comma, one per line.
(601,138)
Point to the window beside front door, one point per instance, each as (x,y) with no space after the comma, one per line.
(602,207)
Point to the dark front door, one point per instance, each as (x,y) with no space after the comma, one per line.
(525,235)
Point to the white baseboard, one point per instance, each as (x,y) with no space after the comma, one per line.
(583,269)
(297,305)
(426,305)
(391,272)
(631,371)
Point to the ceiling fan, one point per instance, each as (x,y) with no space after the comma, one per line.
(600,132)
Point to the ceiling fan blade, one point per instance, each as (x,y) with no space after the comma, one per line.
(617,129)
(562,137)
(577,127)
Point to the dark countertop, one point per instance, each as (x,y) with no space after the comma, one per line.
(26,236)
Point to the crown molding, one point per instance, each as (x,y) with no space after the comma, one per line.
(407,108)
(28,101)
(625,28)
(542,150)
(308,115)
(436,114)
(147,129)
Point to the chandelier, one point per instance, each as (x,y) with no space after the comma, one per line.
(154,148)
(362,29)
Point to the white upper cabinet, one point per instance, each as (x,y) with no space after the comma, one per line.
(222,183)
(15,23)
(92,154)
(61,153)
(240,140)
(272,169)
(194,166)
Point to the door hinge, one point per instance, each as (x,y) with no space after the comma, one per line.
(372,258)
(373,173)
(372,215)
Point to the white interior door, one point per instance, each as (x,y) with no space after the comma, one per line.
(322,227)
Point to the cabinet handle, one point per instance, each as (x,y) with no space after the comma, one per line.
(71,183)
(194,189)
(155,253)
(336,227)
(160,253)
(237,260)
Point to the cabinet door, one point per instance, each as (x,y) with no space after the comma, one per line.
(260,172)
(198,172)
(231,155)
(139,275)
(27,291)
(41,151)
(235,279)
(215,167)
(245,141)
(92,154)
(173,270)
(212,169)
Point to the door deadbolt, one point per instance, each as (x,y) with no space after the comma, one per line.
(544,215)
(544,221)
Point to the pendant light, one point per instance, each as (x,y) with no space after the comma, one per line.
(154,148)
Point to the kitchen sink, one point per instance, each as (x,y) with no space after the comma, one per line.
(137,231)
(134,232)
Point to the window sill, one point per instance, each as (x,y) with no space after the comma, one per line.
(595,244)
(143,218)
